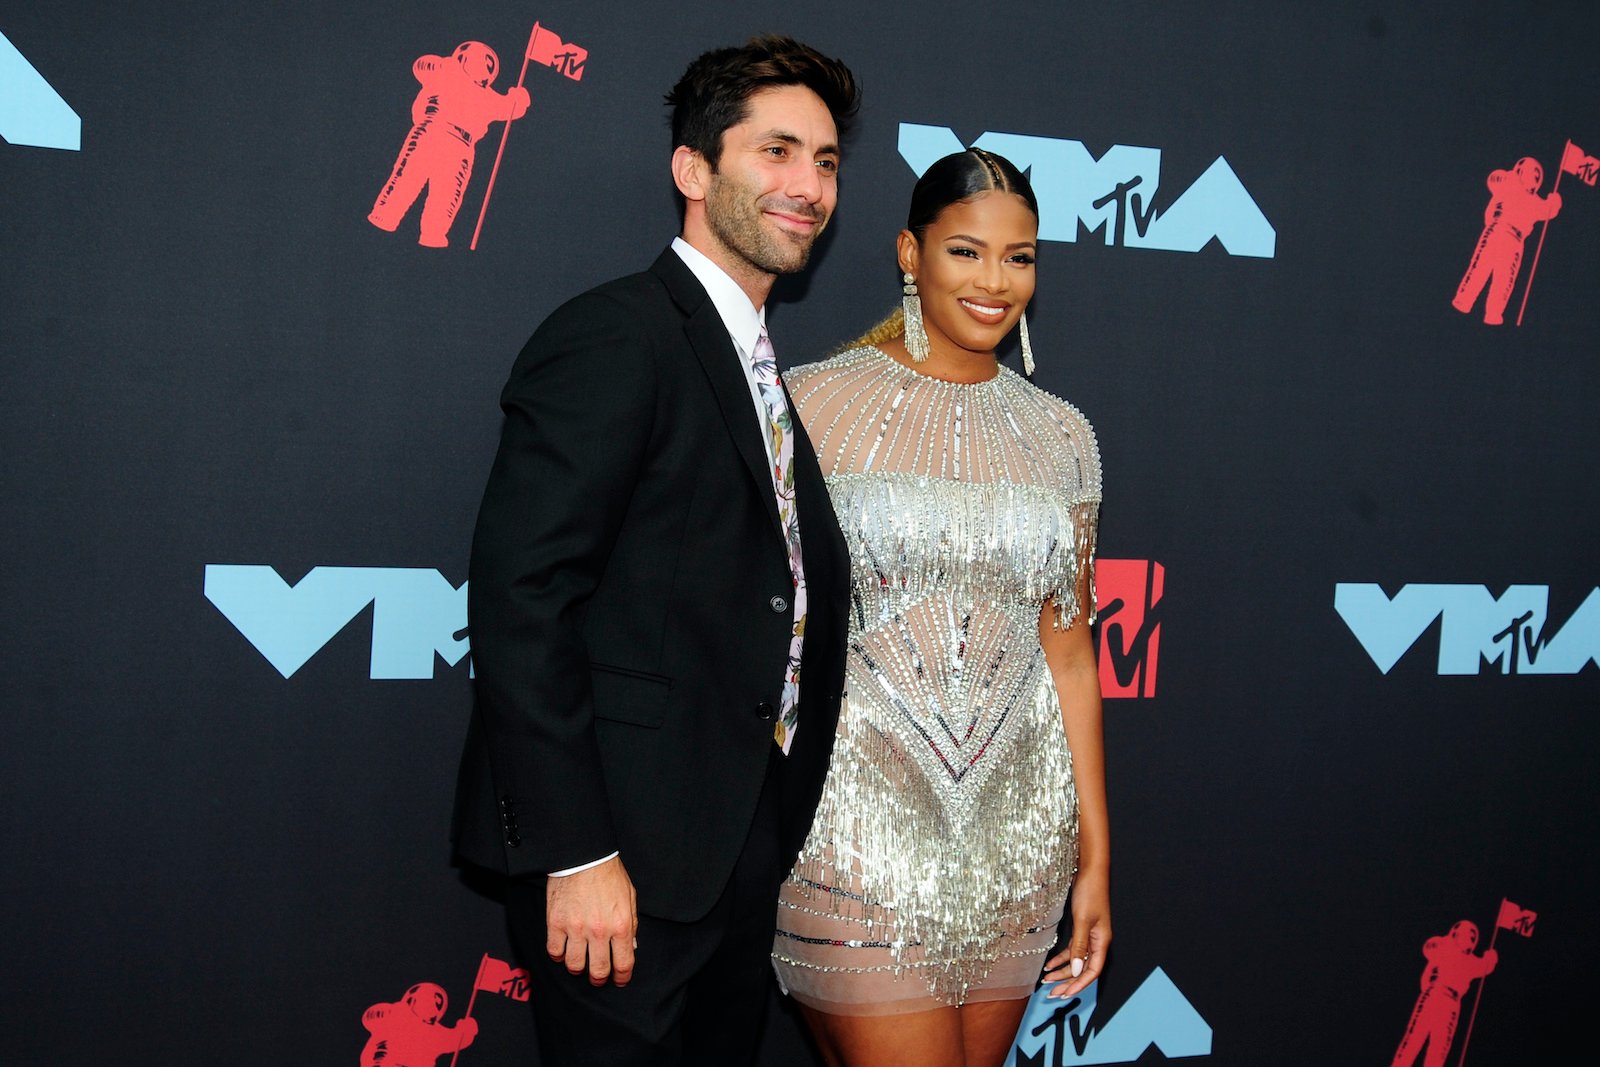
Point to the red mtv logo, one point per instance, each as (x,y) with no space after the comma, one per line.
(1130,628)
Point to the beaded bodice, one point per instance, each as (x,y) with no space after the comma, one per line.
(966,507)
(998,464)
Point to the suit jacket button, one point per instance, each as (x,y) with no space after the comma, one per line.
(778,605)
(513,839)
(764,711)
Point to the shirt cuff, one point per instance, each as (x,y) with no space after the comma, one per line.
(584,866)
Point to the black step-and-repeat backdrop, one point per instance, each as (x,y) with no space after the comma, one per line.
(1322,275)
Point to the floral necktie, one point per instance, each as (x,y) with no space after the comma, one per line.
(780,426)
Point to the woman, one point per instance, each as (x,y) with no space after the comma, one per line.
(967,784)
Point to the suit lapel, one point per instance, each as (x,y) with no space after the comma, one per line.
(708,338)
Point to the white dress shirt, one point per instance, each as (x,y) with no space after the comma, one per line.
(744,323)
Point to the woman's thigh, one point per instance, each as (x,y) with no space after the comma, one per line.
(988,1030)
(974,1035)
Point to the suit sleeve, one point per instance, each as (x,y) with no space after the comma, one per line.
(579,407)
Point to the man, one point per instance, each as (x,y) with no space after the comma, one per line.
(657,602)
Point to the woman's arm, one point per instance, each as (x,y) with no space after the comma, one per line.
(1070,656)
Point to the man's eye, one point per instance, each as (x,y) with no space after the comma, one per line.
(829,165)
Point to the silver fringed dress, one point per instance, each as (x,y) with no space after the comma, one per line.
(946,838)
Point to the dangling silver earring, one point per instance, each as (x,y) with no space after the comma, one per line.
(916,336)
(1027,349)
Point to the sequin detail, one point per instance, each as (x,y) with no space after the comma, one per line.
(946,836)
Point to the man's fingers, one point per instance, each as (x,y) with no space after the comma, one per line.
(599,959)
(591,919)
(622,958)
(576,954)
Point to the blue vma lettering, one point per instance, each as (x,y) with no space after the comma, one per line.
(1114,194)
(1476,627)
(31,112)
(416,614)
(1055,1033)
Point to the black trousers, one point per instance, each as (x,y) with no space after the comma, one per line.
(699,990)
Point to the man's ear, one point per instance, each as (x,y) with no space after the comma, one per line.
(690,173)
(910,253)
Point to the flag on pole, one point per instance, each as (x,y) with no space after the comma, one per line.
(1585,167)
(1515,918)
(498,976)
(548,50)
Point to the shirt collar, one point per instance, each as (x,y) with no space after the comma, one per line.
(743,321)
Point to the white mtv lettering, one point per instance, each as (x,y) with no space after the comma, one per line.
(416,613)
(1114,194)
(1475,627)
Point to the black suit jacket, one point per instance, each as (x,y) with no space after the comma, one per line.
(630,604)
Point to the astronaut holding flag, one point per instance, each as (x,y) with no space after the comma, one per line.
(1514,207)
(450,114)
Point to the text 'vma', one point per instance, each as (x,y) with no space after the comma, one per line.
(420,617)
(1512,631)
(1115,194)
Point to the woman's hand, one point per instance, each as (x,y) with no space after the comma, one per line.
(1085,955)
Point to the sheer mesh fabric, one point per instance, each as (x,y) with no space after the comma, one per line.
(947,833)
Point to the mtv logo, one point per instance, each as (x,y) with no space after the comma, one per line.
(1056,1033)
(1130,628)
(416,614)
(1114,194)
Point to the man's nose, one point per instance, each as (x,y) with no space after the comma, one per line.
(805,182)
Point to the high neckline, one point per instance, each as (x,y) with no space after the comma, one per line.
(999,372)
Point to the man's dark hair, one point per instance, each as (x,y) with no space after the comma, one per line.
(714,93)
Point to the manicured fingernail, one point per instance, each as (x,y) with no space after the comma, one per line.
(1077,966)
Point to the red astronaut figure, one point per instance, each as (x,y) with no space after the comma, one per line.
(450,115)
(1514,206)
(1450,971)
(408,1034)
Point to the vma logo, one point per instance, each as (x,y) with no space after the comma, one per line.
(1511,630)
(418,617)
(1114,194)
(1055,1033)
(31,112)
(416,614)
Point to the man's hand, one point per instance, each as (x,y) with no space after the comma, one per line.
(591,920)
